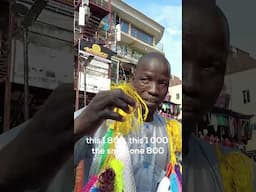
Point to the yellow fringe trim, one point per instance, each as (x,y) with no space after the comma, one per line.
(175,138)
(134,119)
(236,171)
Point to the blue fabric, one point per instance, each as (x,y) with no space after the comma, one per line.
(174,183)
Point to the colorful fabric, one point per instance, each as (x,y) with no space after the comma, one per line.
(130,128)
(79,177)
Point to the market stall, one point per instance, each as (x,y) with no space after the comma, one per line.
(226,127)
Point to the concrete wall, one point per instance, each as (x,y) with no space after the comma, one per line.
(51,56)
(235,84)
(173,91)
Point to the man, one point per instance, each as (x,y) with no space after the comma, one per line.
(151,81)
(205,50)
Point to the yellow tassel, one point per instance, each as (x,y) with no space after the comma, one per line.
(237,171)
(134,119)
(175,139)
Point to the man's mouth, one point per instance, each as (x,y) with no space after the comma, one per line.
(151,101)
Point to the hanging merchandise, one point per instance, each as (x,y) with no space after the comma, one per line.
(172,182)
(111,170)
(222,120)
(231,127)
(214,122)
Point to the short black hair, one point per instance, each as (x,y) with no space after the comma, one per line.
(212,6)
(156,55)
(225,22)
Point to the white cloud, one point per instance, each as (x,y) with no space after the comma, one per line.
(171,18)
(172,31)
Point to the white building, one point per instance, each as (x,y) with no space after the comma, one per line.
(125,31)
(175,92)
(136,35)
(240,81)
(242,89)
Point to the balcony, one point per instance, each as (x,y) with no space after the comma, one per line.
(137,44)
(100,6)
(66,2)
(98,10)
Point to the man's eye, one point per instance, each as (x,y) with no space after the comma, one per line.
(214,66)
(163,83)
(210,68)
(144,80)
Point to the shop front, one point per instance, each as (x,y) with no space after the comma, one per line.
(93,71)
(226,127)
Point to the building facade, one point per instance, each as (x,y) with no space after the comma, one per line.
(239,82)
(124,33)
(136,35)
(172,105)
(50,56)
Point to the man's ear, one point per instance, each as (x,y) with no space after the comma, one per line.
(133,70)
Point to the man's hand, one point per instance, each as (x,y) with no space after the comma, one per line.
(42,146)
(101,108)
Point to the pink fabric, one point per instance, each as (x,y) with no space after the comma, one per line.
(90,184)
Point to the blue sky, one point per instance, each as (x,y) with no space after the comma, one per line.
(169,14)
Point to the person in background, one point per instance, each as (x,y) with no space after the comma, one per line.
(206,44)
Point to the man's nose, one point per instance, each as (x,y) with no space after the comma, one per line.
(153,89)
(190,78)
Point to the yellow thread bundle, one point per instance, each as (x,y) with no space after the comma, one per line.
(134,119)
(237,171)
(175,139)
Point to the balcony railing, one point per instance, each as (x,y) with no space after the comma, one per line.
(100,3)
(66,2)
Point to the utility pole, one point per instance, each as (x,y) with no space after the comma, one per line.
(86,63)
(28,21)
(26,74)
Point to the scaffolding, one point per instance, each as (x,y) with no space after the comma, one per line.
(87,21)
(16,27)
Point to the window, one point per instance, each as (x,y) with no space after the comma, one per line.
(137,33)
(246,96)
(124,26)
(177,96)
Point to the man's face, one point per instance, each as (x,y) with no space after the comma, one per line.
(204,52)
(151,82)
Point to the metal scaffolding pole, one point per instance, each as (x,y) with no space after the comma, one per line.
(86,63)
(26,74)
(7,97)
(77,84)
(28,21)
(85,96)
